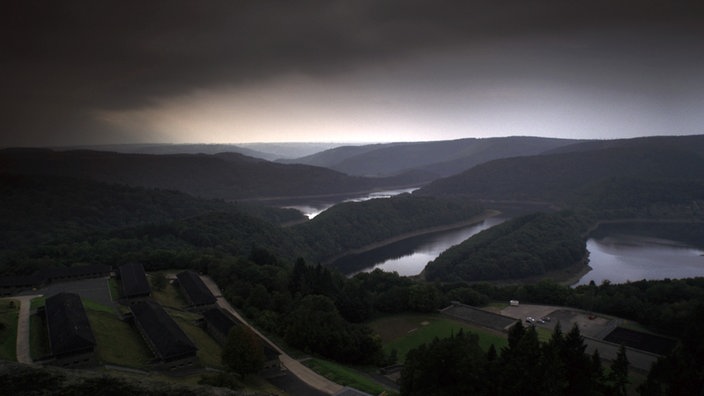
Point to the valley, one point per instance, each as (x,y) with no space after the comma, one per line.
(308,275)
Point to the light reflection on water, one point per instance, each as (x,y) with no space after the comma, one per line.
(409,257)
(313,210)
(622,258)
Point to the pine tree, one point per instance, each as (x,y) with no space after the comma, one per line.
(619,372)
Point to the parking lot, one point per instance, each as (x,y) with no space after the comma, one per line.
(590,325)
(96,289)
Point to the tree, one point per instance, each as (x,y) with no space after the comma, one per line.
(619,372)
(243,351)
(159,281)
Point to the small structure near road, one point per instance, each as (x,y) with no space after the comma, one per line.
(71,338)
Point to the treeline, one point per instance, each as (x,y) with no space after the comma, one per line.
(560,178)
(186,243)
(522,247)
(560,366)
(353,225)
(318,310)
(624,197)
(35,209)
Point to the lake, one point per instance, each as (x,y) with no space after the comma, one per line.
(623,257)
(410,256)
(313,209)
(616,257)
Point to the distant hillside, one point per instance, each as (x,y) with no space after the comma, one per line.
(562,177)
(435,159)
(229,176)
(693,143)
(36,209)
(267,151)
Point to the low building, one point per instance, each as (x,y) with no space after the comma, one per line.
(75,273)
(133,281)
(218,324)
(170,345)
(10,285)
(197,294)
(71,338)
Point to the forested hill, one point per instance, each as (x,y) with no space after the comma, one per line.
(354,225)
(35,209)
(563,178)
(435,159)
(227,176)
(693,143)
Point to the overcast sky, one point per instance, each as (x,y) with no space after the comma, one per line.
(100,72)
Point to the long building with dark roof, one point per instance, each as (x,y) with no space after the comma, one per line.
(75,272)
(195,291)
(134,281)
(71,338)
(168,342)
(218,324)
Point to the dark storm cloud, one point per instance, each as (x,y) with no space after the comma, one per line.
(61,60)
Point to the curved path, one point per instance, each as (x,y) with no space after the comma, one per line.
(22,346)
(296,368)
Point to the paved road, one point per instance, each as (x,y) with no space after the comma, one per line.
(639,360)
(304,373)
(22,347)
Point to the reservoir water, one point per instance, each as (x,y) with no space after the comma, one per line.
(311,210)
(410,256)
(615,256)
(620,258)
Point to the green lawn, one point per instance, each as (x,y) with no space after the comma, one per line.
(8,329)
(405,332)
(37,303)
(114,289)
(38,337)
(345,376)
(209,351)
(170,296)
(117,341)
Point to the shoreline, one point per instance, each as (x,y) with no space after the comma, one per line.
(431,230)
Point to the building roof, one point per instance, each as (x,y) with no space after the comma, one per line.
(167,338)
(347,391)
(134,280)
(75,271)
(219,320)
(198,293)
(21,280)
(69,328)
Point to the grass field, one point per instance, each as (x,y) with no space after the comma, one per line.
(117,341)
(170,296)
(405,332)
(345,376)
(38,337)
(209,351)
(37,303)
(8,329)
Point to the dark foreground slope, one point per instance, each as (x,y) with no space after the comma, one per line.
(228,176)
(433,159)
